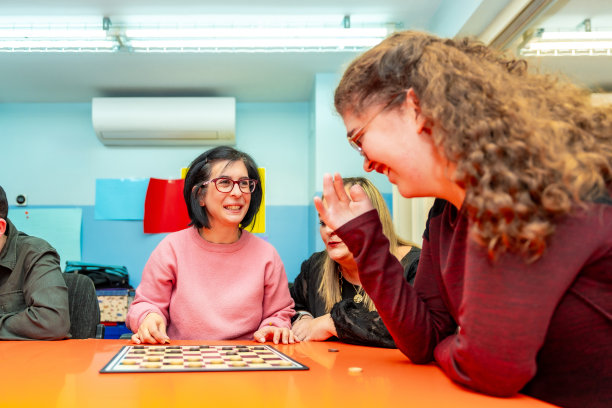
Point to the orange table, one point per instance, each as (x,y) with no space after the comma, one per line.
(66,374)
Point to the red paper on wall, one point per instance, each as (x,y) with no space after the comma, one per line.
(165,209)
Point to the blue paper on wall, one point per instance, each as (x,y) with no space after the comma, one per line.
(120,199)
(60,227)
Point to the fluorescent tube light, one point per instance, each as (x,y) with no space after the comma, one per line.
(570,45)
(57,46)
(254,32)
(576,35)
(48,37)
(253,39)
(73,37)
(567,43)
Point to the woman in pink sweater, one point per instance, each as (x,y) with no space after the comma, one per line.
(214,280)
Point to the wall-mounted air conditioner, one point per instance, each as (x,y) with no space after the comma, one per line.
(164,121)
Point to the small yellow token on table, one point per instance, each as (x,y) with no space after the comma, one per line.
(355,370)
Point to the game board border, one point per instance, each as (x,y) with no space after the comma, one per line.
(124,349)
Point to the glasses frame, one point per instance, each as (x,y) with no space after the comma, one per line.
(355,135)
(234,182)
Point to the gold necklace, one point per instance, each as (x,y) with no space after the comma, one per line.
(358,298)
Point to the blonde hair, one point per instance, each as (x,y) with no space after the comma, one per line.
(330,287)
(529,148)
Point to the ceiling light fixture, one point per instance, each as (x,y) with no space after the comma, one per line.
(55,36)
(254,39)
(562,43)
(108,37)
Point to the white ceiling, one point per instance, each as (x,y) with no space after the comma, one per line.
(274,77)
(594,72)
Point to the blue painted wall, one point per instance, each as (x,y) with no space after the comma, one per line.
(50,153)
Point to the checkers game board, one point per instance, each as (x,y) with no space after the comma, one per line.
(164,358)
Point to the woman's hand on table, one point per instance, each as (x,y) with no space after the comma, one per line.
(276,334)
(308,328)
(152,330)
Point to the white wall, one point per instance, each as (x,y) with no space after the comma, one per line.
(333,153)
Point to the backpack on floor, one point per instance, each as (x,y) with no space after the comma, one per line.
(103,276)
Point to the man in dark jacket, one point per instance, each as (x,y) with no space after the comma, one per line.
(33,294)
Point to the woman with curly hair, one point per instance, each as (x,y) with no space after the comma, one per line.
(514,286)
(329,299)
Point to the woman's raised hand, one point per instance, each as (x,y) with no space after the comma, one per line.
(336,208)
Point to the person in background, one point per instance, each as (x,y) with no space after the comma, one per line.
(513,291)
(214,280)
(33,294)
(329,299)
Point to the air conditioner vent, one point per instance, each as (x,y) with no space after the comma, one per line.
(164,121)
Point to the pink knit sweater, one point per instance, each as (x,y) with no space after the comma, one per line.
(213,291)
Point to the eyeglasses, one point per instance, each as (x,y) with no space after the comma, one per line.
(355,135)
(226,184)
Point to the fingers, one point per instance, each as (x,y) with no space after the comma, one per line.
(261,334)
(136,338)
(357,193)
(277,334)
(145,336)
(318,203)
(284,335)
(339,188)
(287,336)
(158,332)
(152,330)
(336,200)
(258,336)
(301,328)
(329,191)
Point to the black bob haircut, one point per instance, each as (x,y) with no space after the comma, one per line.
(199,172)
(3,204)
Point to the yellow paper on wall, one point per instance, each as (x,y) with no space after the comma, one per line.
(258,225)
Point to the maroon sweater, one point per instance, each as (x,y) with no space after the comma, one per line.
(501,327)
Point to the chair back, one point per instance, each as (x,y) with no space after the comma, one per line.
(84,307)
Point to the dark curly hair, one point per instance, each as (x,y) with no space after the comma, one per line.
(529,148)
(3,204)
(199,172)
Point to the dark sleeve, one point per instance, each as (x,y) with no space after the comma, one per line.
(44,313)
(410,262)
(302,284)
(416,317)
(356,325)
